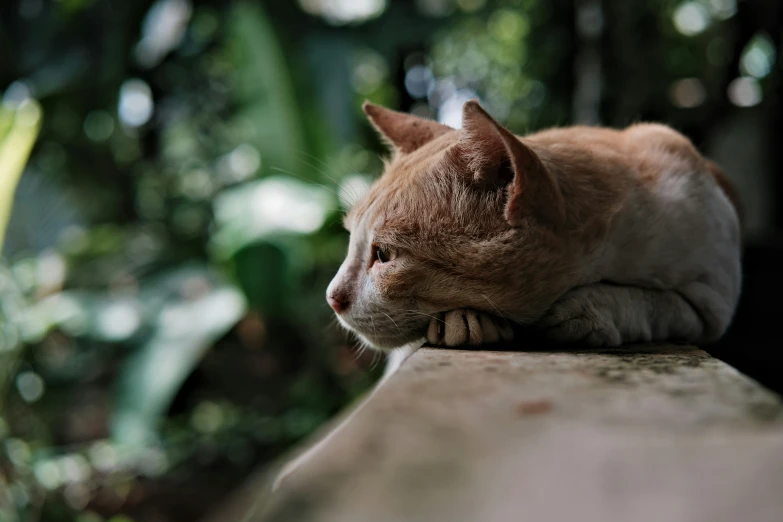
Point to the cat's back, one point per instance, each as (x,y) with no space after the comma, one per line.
(644,154)
(644,147)
(647,179)
(580,140)
(638,155)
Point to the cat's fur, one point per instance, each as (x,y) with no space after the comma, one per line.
(595,235)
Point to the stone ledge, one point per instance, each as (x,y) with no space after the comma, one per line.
(646,433)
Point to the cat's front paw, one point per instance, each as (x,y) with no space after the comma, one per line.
(460,327)
(579,318)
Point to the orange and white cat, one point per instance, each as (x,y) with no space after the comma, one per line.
(594,235)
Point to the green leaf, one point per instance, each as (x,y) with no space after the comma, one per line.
(194,308)
(264,87)
(16,142)
(262,270)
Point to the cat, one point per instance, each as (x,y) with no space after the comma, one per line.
(588,234)
(591,235)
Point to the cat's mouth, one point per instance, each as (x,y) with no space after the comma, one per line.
(385,333)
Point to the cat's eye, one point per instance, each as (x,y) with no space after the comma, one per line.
(385,254)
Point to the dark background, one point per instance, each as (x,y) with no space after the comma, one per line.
(164,331)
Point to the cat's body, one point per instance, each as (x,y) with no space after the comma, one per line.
(671,228)
(592,234)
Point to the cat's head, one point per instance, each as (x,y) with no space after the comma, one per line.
(459,219)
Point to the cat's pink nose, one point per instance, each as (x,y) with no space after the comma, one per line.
(338,304)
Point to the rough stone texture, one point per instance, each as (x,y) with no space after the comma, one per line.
(652,433)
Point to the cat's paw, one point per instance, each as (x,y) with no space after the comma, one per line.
(460,327)
(580,317)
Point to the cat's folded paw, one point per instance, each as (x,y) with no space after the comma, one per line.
(576,318)
(460,327)
(584,330)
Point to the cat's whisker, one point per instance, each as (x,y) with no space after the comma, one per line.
(377,357)
(336,221)
(289,173)
(497,308)
(354,196)
(352,192)
(394,322)
(372,322)
(425,315)
(319,160)
(358,353)
(305,153)
(333,322)
(320,171)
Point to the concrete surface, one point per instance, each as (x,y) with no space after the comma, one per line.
(645,433)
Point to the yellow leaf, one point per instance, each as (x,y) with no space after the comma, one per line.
(19,130)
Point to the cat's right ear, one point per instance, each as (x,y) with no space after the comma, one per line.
(492,156)
(403,132)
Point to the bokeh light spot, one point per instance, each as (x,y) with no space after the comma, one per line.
(163,30)
(691,18)
(723,9)
(369,72)
(207,417)
(450,112)
(507,25)
(103,456)
(135,105)
(758,56)
(118,321)
(30,386)
(339,12)
(418,81)
(687,93)
(48,474)
(244,161)
(745,92)
(51,271)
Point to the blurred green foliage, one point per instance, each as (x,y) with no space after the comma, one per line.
(162,322)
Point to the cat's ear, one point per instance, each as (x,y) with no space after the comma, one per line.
(494,157)
(404,132)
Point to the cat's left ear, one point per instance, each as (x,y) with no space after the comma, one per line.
(493,157)
(404,132)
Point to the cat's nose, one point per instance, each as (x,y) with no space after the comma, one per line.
(338,303)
